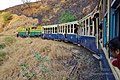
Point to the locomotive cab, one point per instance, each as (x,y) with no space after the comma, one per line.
(22,32)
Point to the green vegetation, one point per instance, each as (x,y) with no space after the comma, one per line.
(67,16)
(42,61)
(2,57)
(9,40)
(7,16)
(26,72)
(2,46)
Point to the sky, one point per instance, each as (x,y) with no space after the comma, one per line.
(9,3)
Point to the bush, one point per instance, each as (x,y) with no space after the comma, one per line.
(2,57)
(9,40)
(7,16)
(67,16)
(2,46)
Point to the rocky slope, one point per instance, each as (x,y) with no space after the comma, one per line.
(49,11)
(10,25)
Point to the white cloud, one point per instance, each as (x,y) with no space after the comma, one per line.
(9,3)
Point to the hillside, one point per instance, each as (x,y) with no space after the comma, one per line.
(49,11)
(10,22)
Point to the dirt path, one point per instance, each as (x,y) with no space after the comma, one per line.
(37,59)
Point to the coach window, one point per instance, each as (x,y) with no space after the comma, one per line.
(48,30)
(87,27)
(75,28)
(82,32)
(91,27)
(55,29)
(51,30)
(84,27)
(44,30)
(100,31)
(71,28)
(68,28)
(62,29)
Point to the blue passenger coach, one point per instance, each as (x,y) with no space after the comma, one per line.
(109,11)
(50,32)
(93,31)
(68,31)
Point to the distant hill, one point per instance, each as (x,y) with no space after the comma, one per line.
(10,22)
(49,11)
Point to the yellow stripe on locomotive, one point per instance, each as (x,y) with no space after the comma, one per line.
(36,31)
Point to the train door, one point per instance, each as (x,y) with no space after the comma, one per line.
(115,22)
(112,24)
(105,31)
(118,22)
(76,28)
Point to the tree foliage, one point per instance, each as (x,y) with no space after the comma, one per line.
(26,2)
(67,16)
(7,16)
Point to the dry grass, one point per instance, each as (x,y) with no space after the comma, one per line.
(9,26)
(22,50)
(37,59)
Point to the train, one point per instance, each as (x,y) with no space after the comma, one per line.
(30,31)
(92,32)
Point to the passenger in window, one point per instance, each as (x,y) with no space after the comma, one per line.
(76,29)
(114,46)
(100,32)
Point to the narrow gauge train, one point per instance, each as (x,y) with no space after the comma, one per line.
(31,31)
(72,32)
(93,32)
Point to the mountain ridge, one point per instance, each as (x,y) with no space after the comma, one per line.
(49,11)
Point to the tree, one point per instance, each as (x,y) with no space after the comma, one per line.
(67,16)
(26,2)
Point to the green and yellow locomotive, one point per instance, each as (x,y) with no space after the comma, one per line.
(30,32)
